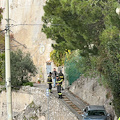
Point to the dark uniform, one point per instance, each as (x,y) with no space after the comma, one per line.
(59,83)
(49,81)
(61,76)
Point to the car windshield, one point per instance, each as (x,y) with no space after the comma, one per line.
(96,112)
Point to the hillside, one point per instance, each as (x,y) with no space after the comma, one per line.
(90,90)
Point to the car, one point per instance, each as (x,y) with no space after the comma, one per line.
(95,112)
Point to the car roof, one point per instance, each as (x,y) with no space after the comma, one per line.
(96,107)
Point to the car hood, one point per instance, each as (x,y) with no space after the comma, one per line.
(95,118)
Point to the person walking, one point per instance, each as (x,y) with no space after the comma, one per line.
(61,76)
(54,74)
(49,81)
(58,82)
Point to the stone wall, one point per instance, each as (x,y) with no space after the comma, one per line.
(93,93)
(27,95)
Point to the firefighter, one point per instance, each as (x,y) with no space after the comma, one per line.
(49,81)
(61,76)
(59,83)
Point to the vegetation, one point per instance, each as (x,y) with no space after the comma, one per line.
(92,27)
(22,68)
(2,41)
(1,10)
(2,67)
(58,57)
(2,55)
(28,83)
(2,38)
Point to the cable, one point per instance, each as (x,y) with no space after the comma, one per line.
(34,52)
(19,43)
(2,30)
(15,41)
(13,25)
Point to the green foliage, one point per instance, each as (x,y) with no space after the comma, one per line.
(2,36)
(2,55)
(93,28)
(1,10)
(2,67)
(2,82)
(28,83)
(109,62)
(74,24)
(58,57)
(2,41)
(22,68)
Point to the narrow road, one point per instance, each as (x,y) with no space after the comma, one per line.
(73,102)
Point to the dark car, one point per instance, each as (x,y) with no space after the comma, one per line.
(95,112)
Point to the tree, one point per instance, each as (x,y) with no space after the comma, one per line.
(22,68)
(2,47)
(1,10)
(93,28)
(70,25)
(2,66)
(2,41)
(58,57)
(2,38)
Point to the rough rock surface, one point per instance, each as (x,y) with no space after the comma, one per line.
(32,102)
(32,111)
(89,90)
(26,28)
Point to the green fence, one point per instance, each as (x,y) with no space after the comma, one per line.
(71,69)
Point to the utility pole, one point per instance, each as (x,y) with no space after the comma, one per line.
(7,65)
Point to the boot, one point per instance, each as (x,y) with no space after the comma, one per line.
(50,90)
(61,97)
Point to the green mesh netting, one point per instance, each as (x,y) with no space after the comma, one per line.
(71,69)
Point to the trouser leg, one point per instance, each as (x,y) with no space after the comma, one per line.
(59,91)
(62,87)
(50,88)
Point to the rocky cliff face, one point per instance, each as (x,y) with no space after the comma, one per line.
(89,90)
(25,26)
(31,103)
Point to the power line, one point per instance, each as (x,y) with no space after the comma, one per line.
(12,25)
(2,30)
(19,43)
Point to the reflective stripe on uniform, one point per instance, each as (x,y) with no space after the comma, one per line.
(49,78)
(59,81)
(59,93)
(49,82)
(61,76)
